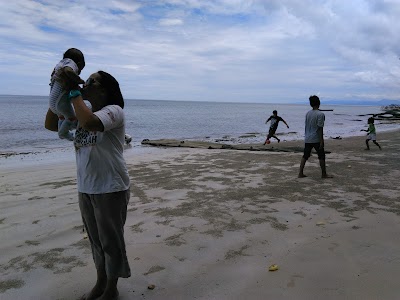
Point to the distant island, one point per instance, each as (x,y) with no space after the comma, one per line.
(383,102)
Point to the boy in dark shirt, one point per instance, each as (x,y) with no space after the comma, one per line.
(274,126)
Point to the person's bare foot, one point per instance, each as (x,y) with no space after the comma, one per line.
(96,292)
(109,295)
(301,176)
(366,149)
(326,176)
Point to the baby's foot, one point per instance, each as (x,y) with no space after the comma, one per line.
(68,136)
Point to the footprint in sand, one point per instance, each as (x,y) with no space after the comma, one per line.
(332,248)
(292,282)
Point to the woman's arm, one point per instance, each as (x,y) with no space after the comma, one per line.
(51,121)
(87,120)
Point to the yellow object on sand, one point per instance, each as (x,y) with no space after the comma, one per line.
(273,268)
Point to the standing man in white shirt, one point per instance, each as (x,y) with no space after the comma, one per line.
(314,136)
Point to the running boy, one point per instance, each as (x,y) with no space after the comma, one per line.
(275,119)
(371,133)
(70,66)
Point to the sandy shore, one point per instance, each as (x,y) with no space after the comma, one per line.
(207,224)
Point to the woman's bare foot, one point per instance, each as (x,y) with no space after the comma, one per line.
(301,176)
(109,295)
(96,292)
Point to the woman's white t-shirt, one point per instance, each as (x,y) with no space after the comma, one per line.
(101,167)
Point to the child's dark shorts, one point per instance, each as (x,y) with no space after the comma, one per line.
(272,131)
(309,146)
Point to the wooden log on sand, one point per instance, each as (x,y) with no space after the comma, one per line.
(210,145)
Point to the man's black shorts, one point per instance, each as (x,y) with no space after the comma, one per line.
(309,146)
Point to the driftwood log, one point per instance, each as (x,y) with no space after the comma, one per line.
(210,145)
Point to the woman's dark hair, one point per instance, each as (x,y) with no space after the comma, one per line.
(314,101)
(76,55)
(111,86)
(371,120)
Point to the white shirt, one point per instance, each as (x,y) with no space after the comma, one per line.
(314,120)
(101,167)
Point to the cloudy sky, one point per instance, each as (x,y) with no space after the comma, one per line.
(217,50)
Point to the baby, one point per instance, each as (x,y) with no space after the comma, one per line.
(70,66)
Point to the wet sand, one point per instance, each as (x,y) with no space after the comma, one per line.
(207,224)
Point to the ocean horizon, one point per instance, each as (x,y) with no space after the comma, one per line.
(22,129)
(340,102)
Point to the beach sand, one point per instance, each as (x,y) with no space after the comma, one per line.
(207,224)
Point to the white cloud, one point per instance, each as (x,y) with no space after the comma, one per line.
(170,22)
(214,50)
(129,7)
(131,67)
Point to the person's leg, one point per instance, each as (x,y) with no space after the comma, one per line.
(89,221)
(110,211)
(64,107)
(302,164)
(111,290)
(376,143)
(306,155)
(323,169)
(366,143)
(268,137)
(321,157)
(64,127)
(271,134)
(274,136)
(266,140)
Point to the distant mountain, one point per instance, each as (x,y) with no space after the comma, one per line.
(361,102)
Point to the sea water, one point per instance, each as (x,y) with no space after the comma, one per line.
(22,129)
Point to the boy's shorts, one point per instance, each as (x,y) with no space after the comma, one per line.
(371,136)
(271,132)
(309,146)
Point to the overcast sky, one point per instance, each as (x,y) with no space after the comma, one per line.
(221,50)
